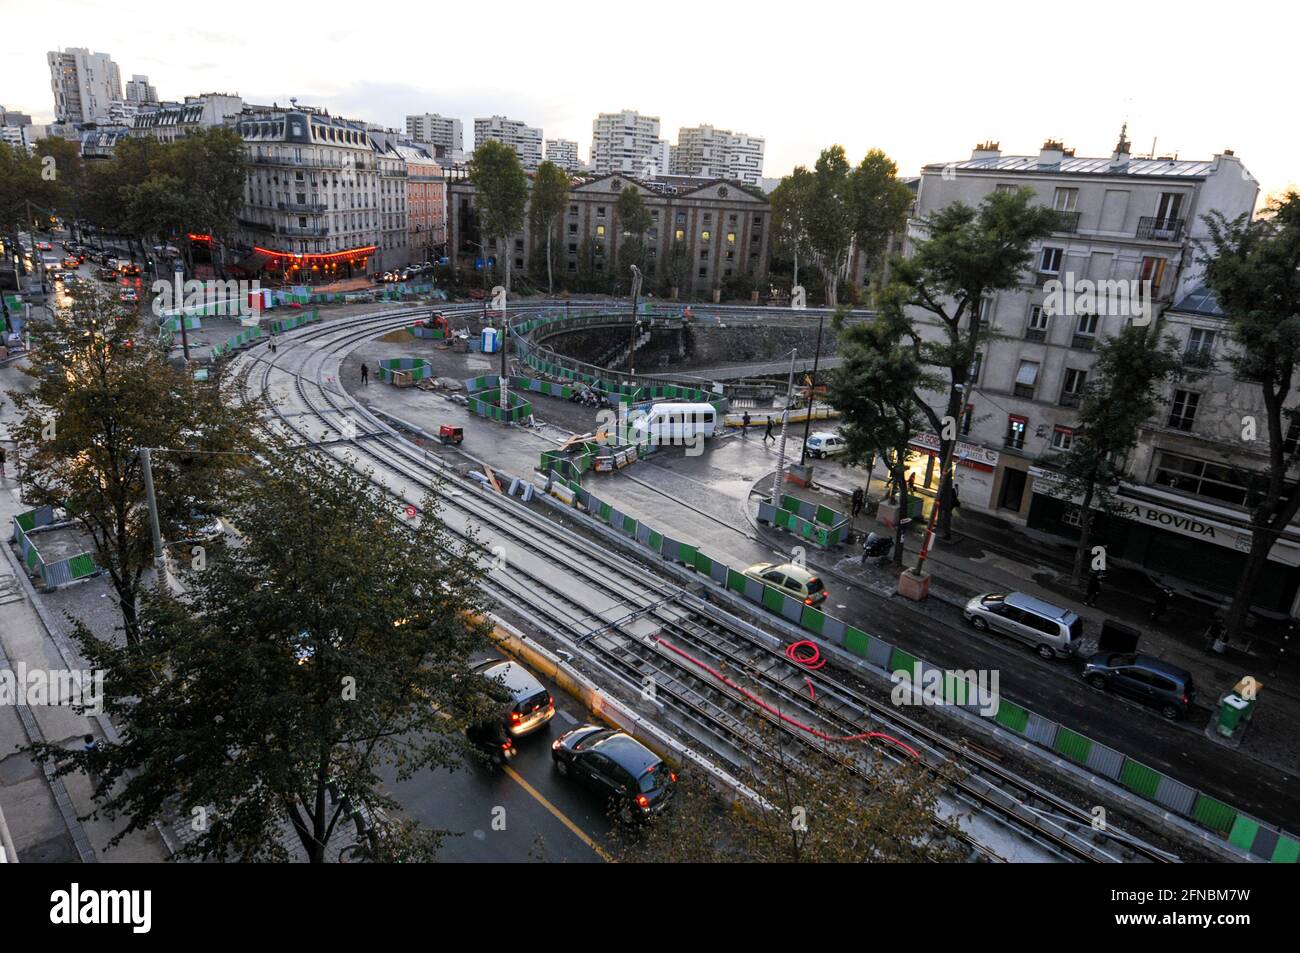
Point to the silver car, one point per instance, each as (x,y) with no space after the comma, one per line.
(531,705)
(1049,629)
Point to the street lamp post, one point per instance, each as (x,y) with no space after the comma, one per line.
(812,390)
(636,325)
(779,477)
(185,338)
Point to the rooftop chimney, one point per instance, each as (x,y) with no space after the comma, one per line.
(1052,153)
(987,150)
(1119,158)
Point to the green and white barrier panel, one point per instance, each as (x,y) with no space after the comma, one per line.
(52,574)
(819,525)
(1239,829)
(487,405)
(417,367)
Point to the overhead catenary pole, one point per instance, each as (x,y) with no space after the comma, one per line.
(147,464)
(636,325)
(812,389)
(505,381)
(779,476)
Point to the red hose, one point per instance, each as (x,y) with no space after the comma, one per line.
(812,660)
(872,735)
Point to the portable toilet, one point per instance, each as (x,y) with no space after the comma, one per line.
(490,340)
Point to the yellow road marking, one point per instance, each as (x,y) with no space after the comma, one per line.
(559,815)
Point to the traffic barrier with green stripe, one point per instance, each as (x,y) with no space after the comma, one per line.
(1242,831)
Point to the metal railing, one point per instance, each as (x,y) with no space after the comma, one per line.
(313,208)
(1066,221)
(1160,229)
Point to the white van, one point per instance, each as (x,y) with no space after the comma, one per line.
(674,423)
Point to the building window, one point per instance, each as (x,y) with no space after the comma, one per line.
(1065,200)
(985,311)
(1182,413)
(573,210)
(679,235)
(1049,262)
(704,236)
(1005,188)
(1153,270)
(1085,331)
(1036,328)
(600,211)
(704,254)
(704,272)
(731,238)
(1200,343)
(1016,427)
(600,231)
(1026,378)
(1072,390)
(1201,478)
(573,228)
(1063,439)
(973,372)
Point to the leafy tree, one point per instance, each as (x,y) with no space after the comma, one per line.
(65,188)
(810,812)
(1119,398)
(211,168)
(501,194)
(100,394)
(791,201)
(550,197)
(966,254)
(879,204)
(873,390)
(1254,269)
(633,221)
(333,641)
(830,220)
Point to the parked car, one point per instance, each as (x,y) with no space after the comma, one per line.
(1049,629)
(615,765)
(531,705)
(1149,680)
(821,445)
(791,579)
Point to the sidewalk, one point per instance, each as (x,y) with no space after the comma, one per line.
(43,813)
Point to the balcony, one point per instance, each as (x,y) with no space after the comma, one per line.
(310,208)
(1036,334)
(285,162)
(1066,222)
(311,231)
(1070,400)
(1154,228)
(1084,342)
(1023,390)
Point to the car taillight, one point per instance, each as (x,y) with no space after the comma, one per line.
(506,746)
(551,703)
(808,601)
(672,776)
(642,801)
(515,718)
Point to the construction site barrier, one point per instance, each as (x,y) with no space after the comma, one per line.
(820,525)
(52,574)
(1239,829)
(407,368)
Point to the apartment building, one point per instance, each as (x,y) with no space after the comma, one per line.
(698,240)
(314,199)
(83,83)
(441,131)
(171,121)
(391,164)
(564,153)
(524,139)
(1124,249)
(721,153)
(140,90)
(426,204)
(628,143)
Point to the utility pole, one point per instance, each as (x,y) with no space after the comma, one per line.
(147,463)
(636,324)
(180,305)
(779,477)
(505,381)
(812,388)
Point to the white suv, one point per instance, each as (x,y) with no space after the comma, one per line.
(825,444)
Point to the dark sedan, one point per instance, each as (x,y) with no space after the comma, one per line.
(1149,680)
(615,765)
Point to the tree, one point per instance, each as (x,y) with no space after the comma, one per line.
(1120,397)
(851,807)
(633,221)
(1253,268)
(335,640)
(873,391)
(211,168)
(550,197)
(65,192)
(830,220)
(879,204)
(966,254)
(501,188)
(100,395)
(791,201)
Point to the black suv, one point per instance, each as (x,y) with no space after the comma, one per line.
(614,764)
(1149,680)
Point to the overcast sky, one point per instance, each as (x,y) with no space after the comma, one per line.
(924,82)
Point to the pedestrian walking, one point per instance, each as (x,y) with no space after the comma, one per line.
(911,484)
(744,424)
(2,463)
(92,750)
(365,374)
(1161,602)
(767,434)
(856,506)
(1094,589)
(1214,635)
